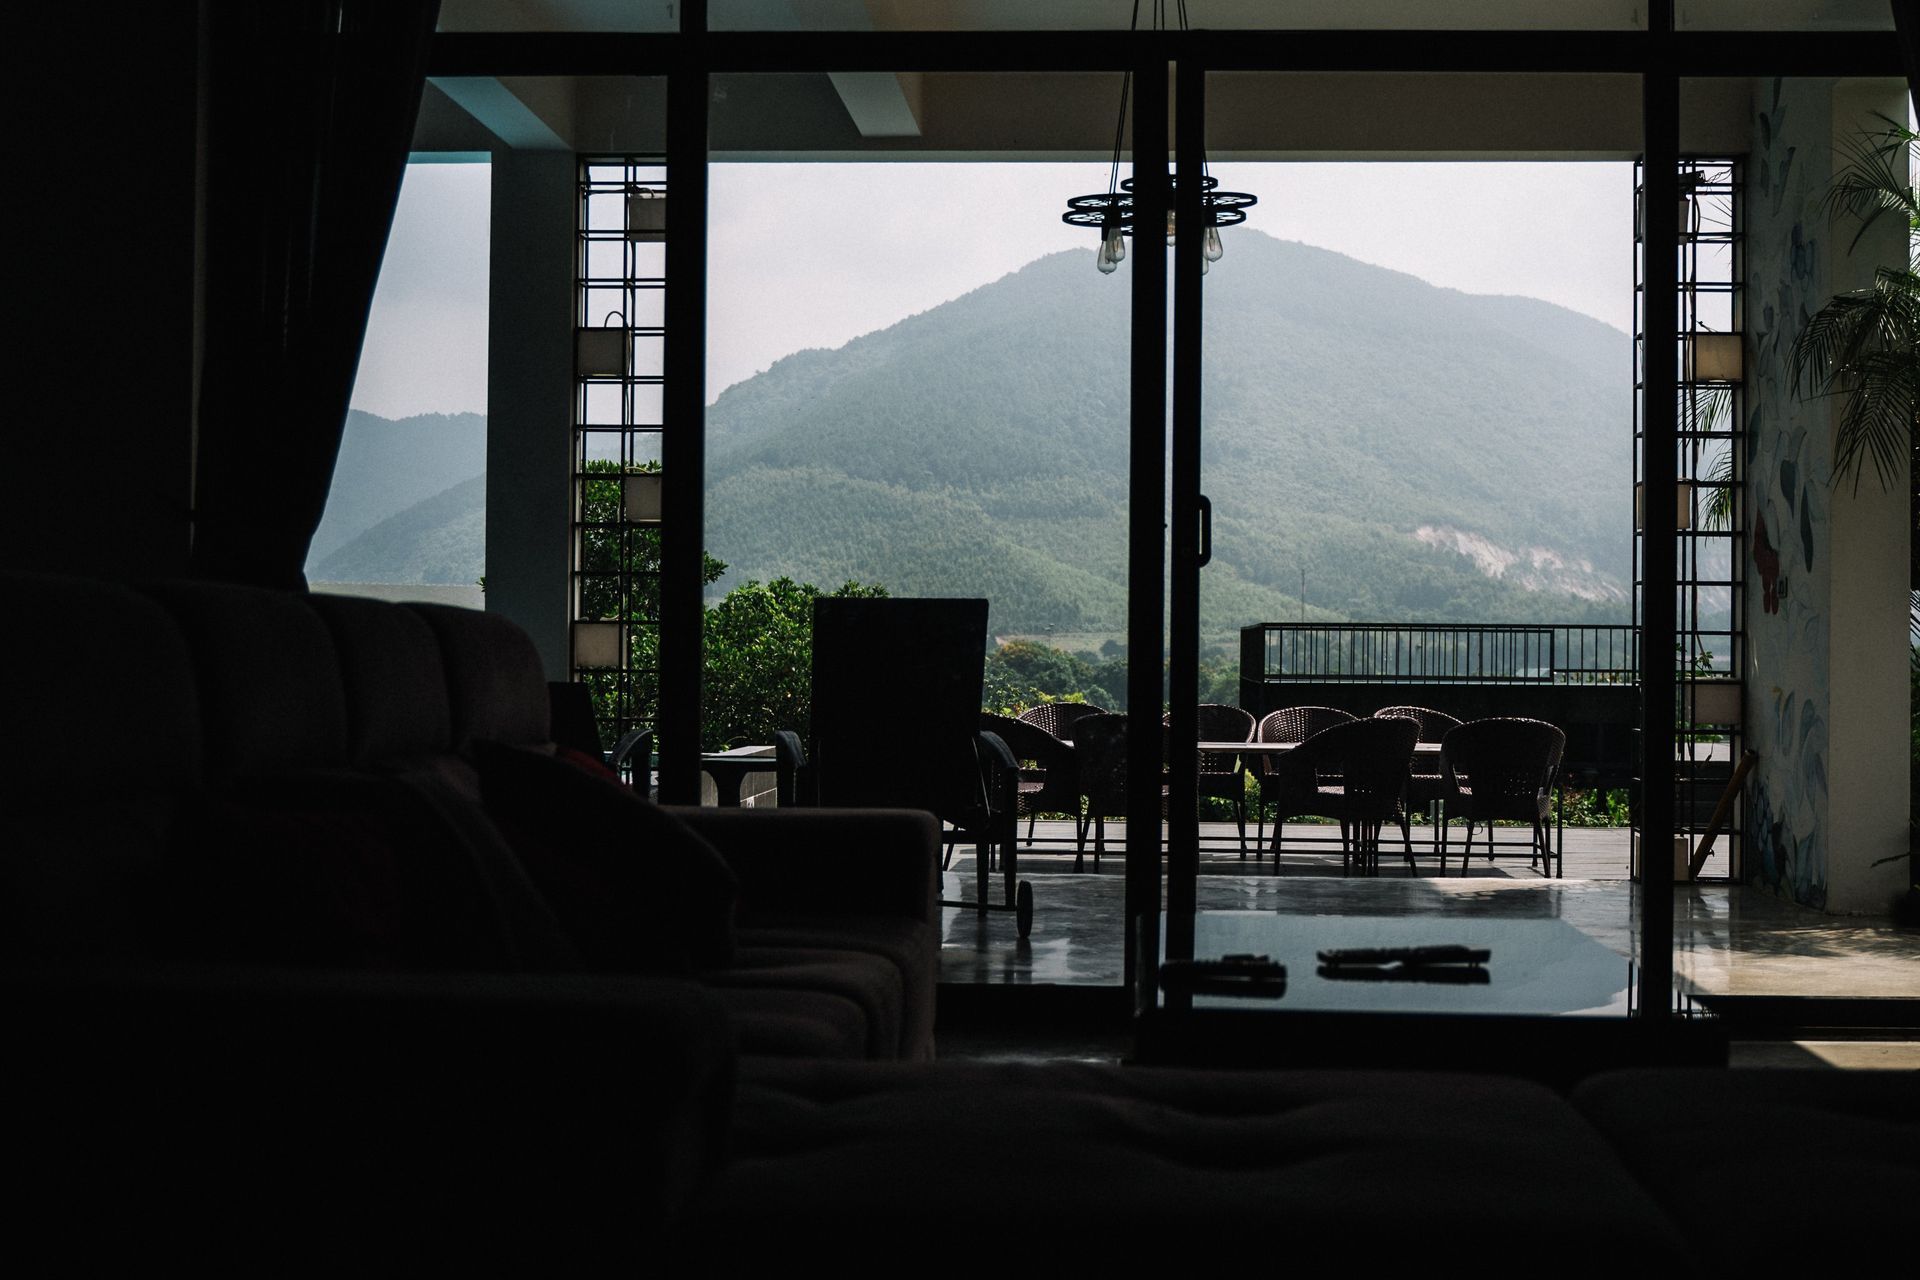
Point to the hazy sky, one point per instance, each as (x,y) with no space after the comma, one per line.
(811,255)
(426,348)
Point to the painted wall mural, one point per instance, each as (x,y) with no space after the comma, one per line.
(1789,466)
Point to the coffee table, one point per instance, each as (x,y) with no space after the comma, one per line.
(1538,966)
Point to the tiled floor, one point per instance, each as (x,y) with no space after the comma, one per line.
(1728,939)
(1314,849)
(1847,1055)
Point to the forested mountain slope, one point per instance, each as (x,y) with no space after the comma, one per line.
(1421,453)
(1396,440)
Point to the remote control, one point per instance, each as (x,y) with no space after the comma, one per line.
(1446,975)
(1231,975)
(1412,957)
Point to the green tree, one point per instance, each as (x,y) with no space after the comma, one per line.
(759,660)
(1023,673)
(619,581)
(1220,681)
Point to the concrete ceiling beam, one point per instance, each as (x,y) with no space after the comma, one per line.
(507,114)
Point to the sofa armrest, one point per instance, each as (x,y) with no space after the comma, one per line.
(828,861)
(474,1117)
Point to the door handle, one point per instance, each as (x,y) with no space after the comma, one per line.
(1206,530)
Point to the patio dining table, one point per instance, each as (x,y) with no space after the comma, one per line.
(1281,748)
(730,769)
(1247,750)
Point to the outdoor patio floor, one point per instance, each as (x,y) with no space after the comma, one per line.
(1729,939)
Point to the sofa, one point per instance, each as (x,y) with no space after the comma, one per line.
(290,987)
(204,775)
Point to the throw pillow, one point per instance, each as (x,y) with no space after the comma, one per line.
(635,888)
(330,869)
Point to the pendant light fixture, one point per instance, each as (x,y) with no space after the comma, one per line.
(1111,211)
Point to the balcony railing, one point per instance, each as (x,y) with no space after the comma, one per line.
(1438,653)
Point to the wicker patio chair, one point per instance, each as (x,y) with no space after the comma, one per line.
(793,777)
(866,753)
(1289,724)
(1049,773)
(632,759)
(1222,774)
(1356,772)
(1500,769)
(1058,718)
(1426,790)
(1100,743)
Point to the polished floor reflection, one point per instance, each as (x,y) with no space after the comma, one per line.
(1313,849)
(1729,940)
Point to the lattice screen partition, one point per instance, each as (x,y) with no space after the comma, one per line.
(619,340)
(1709,509)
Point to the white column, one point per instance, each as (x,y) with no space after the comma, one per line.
(1868,732)
(530,390)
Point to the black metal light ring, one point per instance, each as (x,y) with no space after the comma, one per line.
(1106,209)
(1099,221)
(1207,183)
(1101,210)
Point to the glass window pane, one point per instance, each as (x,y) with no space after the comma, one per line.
(1783,15)
(407,510)
(1091,15)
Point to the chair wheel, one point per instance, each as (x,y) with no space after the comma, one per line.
(1023,908)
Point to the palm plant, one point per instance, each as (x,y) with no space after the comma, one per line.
(1711,411)
(1865,345)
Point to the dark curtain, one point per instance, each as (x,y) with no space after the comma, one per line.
(1906,26)
(310,113)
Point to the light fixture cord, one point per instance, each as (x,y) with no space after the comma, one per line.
(1181,5)
(1120,127)
(1126,89)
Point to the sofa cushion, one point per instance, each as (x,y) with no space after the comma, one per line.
(337,869)
(769,1021)
(86,663)
(395,682)
(535,938)
(495,687)
(912,947)
(1117,1167)
(633,886)
(103,732)
(347,1123)
(870,981)
(271,697)
(1812,1156)
(828,863)
(80,885)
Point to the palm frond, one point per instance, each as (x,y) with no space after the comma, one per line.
(1864,345)
(1879,417)
(1849,326)
(1718,511)
(1877,178)
(1708,409)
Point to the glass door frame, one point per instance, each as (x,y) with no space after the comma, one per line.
(688,58)
(1652,58)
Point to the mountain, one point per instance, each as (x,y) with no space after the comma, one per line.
(1420,452)
(441,539)
(386,466)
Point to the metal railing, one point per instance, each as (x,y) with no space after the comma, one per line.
(1439,653)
